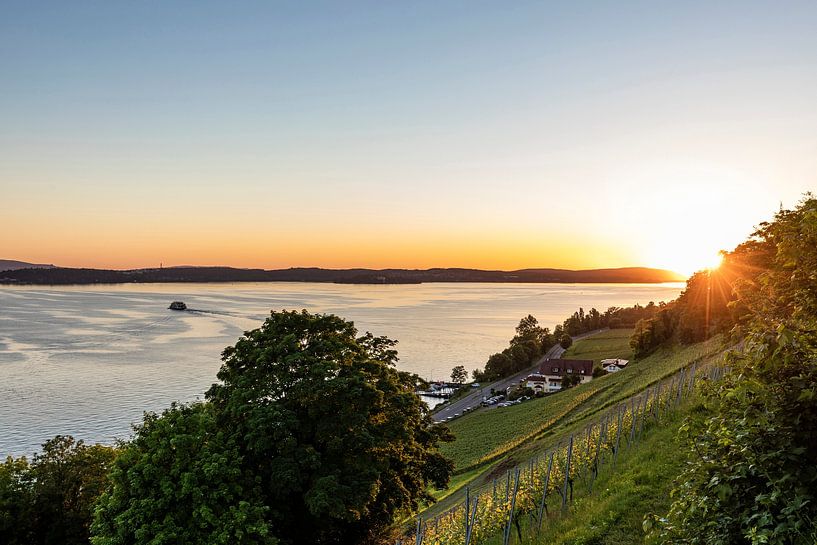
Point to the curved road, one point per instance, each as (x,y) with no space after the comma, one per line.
(474,398)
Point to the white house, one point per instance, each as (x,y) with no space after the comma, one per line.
(552,371)
(613,365)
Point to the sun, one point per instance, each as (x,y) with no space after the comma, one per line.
(714,262)
(684,258)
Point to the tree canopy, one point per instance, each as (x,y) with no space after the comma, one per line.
(311,436)
(50,499)
(458,374)
(180,481)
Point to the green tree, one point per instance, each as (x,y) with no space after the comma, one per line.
(180,481)
(459,375)
(546,340)
(570,380)
(332,433)
(565,341)
(522,354)
(498,366)
(69,476)
(50,500)
(528,331)
(599,371)
(16,513)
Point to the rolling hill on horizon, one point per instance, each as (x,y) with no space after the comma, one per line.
(48,274)
(13,265)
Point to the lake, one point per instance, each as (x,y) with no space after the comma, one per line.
(88,360)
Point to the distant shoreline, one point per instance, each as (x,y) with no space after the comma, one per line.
(69,276)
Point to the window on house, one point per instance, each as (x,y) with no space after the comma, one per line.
(582,371)
(570,371)
(555,369)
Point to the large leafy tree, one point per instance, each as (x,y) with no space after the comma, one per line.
(312,436)
(180,481)
(332,433)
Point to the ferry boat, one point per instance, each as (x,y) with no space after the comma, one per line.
(177,305)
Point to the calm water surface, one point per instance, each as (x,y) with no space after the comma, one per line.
(88,360)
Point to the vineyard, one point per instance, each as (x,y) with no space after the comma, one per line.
(525,495)
(486,436)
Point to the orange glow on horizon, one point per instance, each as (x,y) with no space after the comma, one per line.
(339,249)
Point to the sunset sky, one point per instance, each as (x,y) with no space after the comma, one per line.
(415,134)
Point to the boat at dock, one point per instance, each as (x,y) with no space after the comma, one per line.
(436,393)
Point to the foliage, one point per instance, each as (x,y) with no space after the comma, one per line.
(521,390)
(50,500)
(332,433)
(180,481)
(711,302)
(312,436)
(16,525)
(565,341)
(570,380)
(525,348)
(459,375)
(612,514)
(752,475)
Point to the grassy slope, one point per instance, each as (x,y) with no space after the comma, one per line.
(613,343)
(484,432)
(486,435)
(613,515)
(496,439)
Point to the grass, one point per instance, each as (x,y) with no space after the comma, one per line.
(613,343)
(481,436)
(496,439)
(639,484)
(484,436)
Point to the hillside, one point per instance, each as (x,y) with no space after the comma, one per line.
(490,441)
(345,276)
(13,265)
(744,468)
(639,485)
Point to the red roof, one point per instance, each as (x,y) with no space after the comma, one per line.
(560,367)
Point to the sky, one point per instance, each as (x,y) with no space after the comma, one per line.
(414,134)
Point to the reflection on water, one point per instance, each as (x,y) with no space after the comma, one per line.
(88,360)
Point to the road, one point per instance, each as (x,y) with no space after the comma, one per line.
(474,398)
